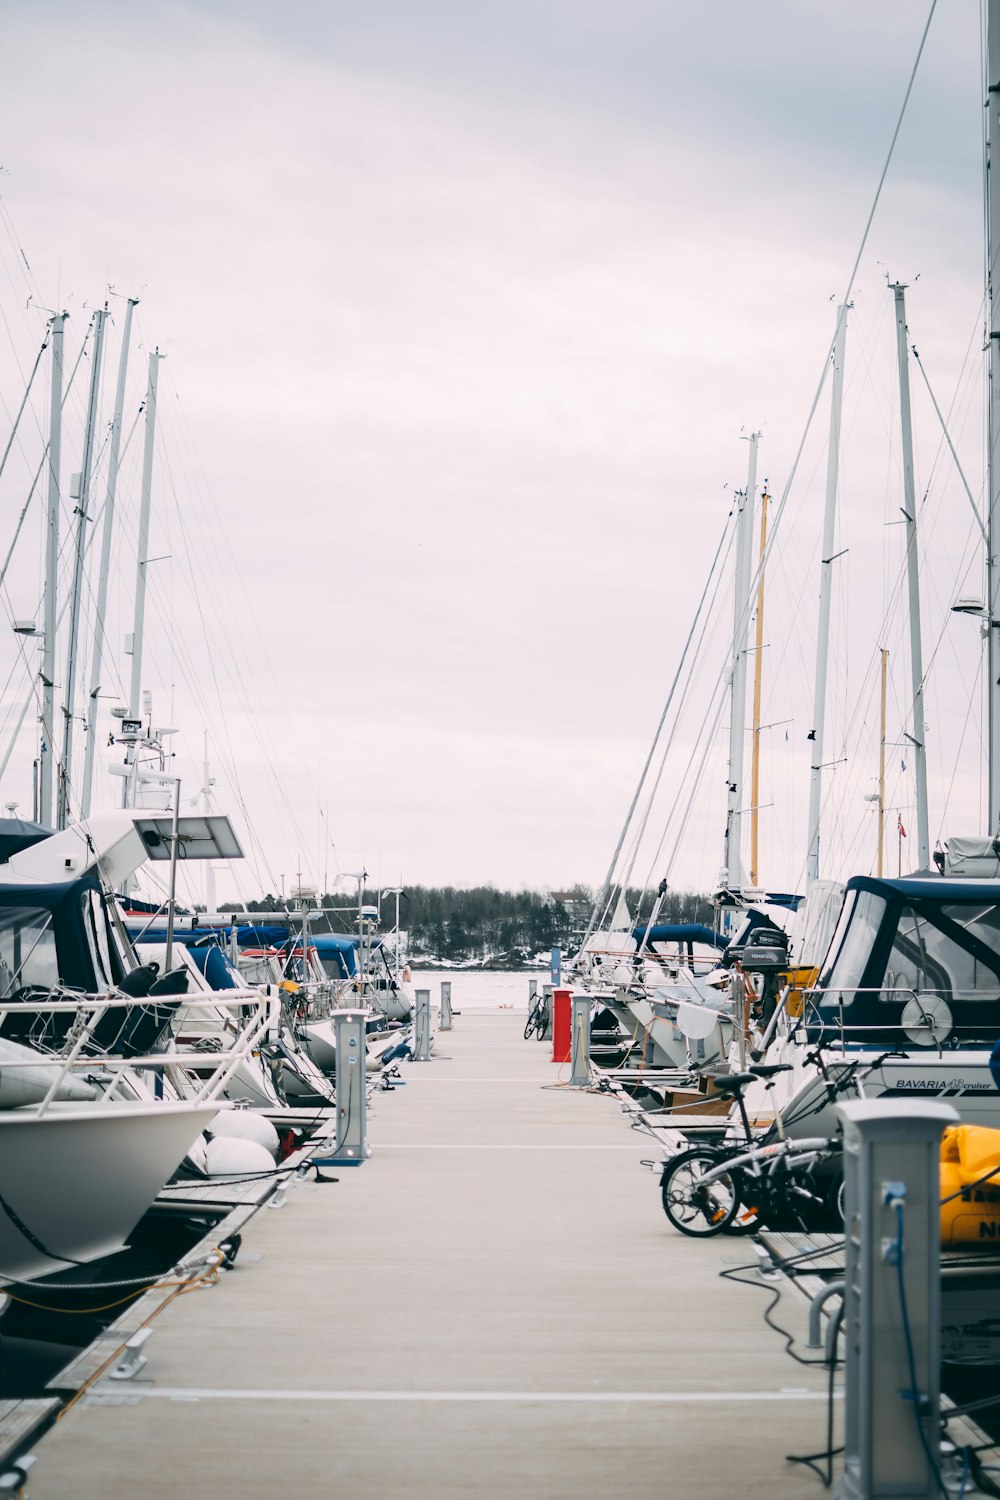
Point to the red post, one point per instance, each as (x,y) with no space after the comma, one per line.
(562,1026)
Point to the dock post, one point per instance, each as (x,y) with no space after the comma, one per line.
(892,1300)
(580,1044)
(444,1013)
(532,994)
(351,1091)
(422,1027)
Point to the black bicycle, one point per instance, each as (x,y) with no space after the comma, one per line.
(538,1020)
(740,1184)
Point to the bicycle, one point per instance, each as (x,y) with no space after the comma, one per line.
(538,1020)
(738,1185)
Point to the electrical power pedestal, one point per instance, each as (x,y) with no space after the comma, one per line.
(892,1298)
(352,1096)
(422,1026)
(444,1012)
(580,1042)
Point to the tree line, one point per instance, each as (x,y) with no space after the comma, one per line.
(484,925)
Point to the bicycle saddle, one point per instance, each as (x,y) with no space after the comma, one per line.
(733,1083)
(767,1070)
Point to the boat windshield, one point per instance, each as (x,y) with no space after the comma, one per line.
(956,955)
(852,947)
(27,949)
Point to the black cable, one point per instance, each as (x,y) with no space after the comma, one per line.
(812,1460)
(789,1338)
(33,1239)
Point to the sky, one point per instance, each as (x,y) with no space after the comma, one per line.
(467,312)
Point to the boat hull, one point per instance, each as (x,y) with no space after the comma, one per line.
(74,1182)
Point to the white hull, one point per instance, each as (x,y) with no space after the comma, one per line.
(959,1078)
(80,1179)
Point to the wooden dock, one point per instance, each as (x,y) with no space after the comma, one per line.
(494,1305)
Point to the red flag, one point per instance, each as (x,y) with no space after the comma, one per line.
(899,824)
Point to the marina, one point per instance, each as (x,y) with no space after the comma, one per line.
(520,445)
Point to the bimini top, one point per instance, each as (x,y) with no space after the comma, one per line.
(17,834)
(679,932)
(926,886)
(914,962)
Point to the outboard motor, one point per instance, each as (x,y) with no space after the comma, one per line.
(766,953)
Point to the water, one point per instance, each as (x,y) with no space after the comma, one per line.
(479,989)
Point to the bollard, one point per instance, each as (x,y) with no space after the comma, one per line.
(444,1013)
(892,1298)
(532,994)
(422,1027)
(545,1034)
(351,1091)
(561,1025)
(580,1044)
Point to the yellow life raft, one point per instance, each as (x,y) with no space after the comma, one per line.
(970,1207)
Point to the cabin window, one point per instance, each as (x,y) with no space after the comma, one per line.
(925,959)
(27,949)
(852,946)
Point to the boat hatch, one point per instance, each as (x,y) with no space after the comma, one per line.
(912,963)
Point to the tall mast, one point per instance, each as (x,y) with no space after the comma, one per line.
(738,693)
(918,736)
(135,694)
(51,573)
(82,499)
(881,769)
(758,674)
(97,661)
(993,407)
(825,597)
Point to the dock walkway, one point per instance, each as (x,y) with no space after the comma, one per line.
(494,1305)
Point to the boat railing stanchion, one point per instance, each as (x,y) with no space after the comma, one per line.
(422,1026)
(444,1011)
(351,1092)
(892,1297)
(580,1042)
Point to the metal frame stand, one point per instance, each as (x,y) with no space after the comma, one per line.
(892,1300)
(352,1092)
(580,1042)
(444,1011)
(422,1026)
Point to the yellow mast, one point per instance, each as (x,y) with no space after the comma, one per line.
(757,674)
(881,768)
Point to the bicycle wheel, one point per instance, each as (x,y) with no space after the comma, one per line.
(692,1206)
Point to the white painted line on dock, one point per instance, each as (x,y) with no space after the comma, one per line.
(660,1398)
(506,1146)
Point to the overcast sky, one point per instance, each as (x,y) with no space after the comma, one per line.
(465,308)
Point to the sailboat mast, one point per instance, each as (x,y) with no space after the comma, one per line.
(993,406)
(758,674)
(825,597)
(135,693)
(881,768)
(918,735)
(51,574)
(97,660)
(738,693)
(82,501)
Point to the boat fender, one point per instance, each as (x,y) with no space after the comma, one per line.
(229,1157)
(247,1125)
